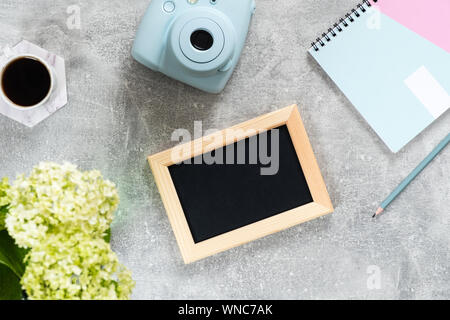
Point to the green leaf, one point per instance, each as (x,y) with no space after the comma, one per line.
(10,288)
(11,255)
(107,237)
(3,212)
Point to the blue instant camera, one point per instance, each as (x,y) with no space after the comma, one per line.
(197,42)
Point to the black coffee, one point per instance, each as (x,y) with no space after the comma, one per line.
(26,81)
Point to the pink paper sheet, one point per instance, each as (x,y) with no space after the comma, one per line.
(428,18)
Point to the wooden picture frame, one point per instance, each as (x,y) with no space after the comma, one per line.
(320,206)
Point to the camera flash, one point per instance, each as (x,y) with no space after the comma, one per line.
(192,1)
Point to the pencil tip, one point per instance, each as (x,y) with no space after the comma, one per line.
(379,211)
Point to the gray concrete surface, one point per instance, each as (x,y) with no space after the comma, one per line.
(119,112)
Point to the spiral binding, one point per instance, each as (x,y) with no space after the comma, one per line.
(342,24)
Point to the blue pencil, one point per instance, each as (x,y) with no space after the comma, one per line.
(402,186)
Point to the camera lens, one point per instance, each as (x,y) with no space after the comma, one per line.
(202,40)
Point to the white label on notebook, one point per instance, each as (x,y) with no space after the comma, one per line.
(428,90)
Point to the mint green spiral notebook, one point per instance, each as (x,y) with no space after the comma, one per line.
(396,76)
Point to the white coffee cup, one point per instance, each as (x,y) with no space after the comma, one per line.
(11,58)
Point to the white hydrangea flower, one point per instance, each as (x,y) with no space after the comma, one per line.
(75,267)
(59,199)
(4,187)
(4,201)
